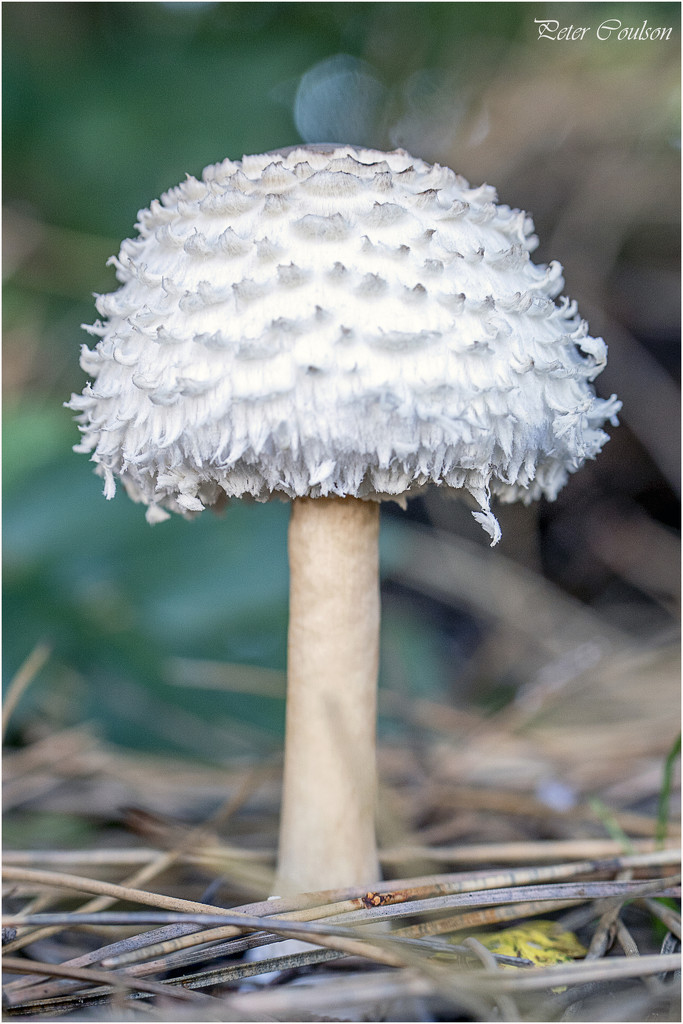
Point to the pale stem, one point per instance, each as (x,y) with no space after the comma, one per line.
(327,829)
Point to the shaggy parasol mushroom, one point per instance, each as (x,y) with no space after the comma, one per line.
(336,326)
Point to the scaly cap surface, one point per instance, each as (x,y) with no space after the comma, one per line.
(334,320)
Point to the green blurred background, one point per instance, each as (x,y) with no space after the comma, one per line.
(108,104)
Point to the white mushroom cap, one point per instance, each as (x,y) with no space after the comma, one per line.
(337,321)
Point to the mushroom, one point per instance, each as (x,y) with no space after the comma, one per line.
(336,326)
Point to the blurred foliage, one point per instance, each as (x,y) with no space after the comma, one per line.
(108,104)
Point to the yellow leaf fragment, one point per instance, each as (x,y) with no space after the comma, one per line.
(542,942)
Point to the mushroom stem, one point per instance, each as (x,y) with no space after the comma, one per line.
(327,831)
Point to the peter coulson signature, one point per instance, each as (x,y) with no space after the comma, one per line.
(611,28)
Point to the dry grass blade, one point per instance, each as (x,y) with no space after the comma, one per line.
(79,883)
(342,939)
(24,677)
(242,971)
(87,858)
(626,940)
(327,1001)
(90,976)
(505,1003)
(26,990)
(522,852)
(576,973)
(203,913)
(403,892)
(590,850)
(667,915)
(483,918)
(522,893)
(439,966)
(393,951)
(161,861)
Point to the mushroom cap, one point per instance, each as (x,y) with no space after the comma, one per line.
(329,320)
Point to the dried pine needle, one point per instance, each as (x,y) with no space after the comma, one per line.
(22,680)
